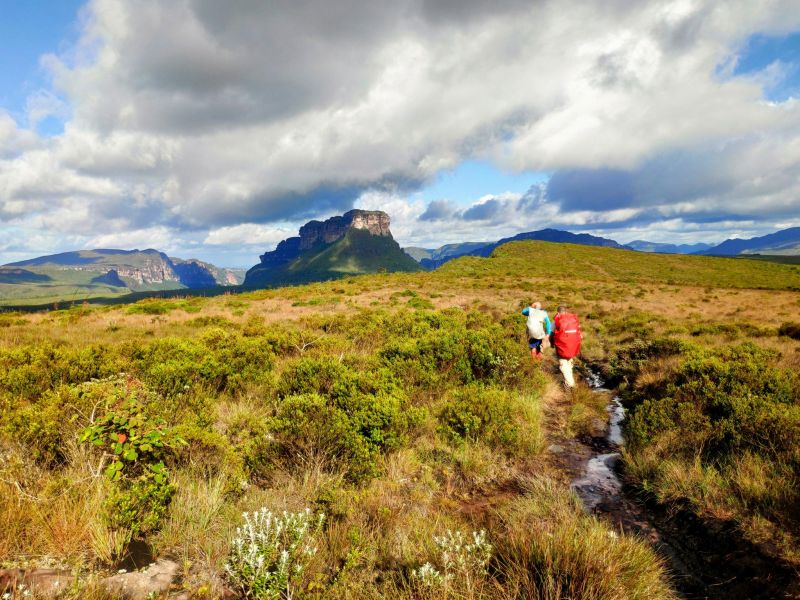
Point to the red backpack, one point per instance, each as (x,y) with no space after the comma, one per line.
(567,336)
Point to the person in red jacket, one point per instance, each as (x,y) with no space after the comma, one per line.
(567,338)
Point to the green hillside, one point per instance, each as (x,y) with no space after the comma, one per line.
(356,253)
(608,264)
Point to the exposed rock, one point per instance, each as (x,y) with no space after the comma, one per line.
(326,232)
(374,221)
(193,274)
(284,252)
(43,583)
(139,585)
(111,278)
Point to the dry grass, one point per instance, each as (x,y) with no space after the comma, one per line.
(552,551)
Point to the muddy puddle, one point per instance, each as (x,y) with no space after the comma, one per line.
(707,561)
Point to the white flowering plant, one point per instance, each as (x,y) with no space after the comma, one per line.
(270,552)
(462,563)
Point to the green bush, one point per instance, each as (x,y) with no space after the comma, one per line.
(219,360)
(421,303)
(151,307)
(29,371)
(478,413)
(348,433)
(723,403)
(42,426)
(138,445)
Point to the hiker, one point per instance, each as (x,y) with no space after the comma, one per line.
(567,338)
(539,328)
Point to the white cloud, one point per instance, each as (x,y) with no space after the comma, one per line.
(248,233)
(206,120)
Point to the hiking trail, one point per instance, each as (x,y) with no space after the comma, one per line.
(707,561)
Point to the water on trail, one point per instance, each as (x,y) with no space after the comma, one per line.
(600,482)
(706,560)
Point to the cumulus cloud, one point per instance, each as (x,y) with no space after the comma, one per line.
(248,233)
(211,120)
(439,210)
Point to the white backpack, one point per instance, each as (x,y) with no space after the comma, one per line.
(535,324)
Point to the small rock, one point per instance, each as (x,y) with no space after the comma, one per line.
(138,585)
(555,449)
(598,426)
(44,583)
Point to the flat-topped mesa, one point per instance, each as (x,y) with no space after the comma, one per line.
(374,221)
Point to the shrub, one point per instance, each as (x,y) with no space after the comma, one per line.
(480,413)
(348,436)
(41,425)
(421,303)
(30,371)
(270,553)
(137,444)
(791,330)
(220,360)
(151,307)
(731,400)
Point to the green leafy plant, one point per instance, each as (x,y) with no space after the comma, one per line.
(136,445)
(131,439)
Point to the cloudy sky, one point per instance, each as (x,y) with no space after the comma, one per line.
(214,129)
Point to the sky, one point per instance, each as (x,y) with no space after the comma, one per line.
(214,130)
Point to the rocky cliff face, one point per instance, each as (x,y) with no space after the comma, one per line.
(357,242)
(155,268)
(312,233)
(374,221)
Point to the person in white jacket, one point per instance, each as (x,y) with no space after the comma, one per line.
(539,328)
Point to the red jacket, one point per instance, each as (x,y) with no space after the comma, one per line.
(567,336)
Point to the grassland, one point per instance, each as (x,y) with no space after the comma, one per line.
(403,407)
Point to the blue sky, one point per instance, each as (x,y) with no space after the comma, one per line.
(29,30)
(760,51)
(216,130)
(473,179)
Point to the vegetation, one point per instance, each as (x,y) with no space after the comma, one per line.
(405,409)
(357,252)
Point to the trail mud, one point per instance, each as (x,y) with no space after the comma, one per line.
(707,560)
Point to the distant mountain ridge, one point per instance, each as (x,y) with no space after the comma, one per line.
(785,242)
(136,269)
(659,248)
(106,273)
(447,253)
(357,242)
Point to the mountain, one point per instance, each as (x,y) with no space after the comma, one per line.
(785,242)
(139,270)
(485,249)
(446,251)
(357,242)
(106,273)
(195,273)
(645,246)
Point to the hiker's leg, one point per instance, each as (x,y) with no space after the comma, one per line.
(536,349)
(566,370)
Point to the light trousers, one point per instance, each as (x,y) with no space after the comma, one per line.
(565,364)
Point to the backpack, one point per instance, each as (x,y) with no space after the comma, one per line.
(535,324)
(567,336)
